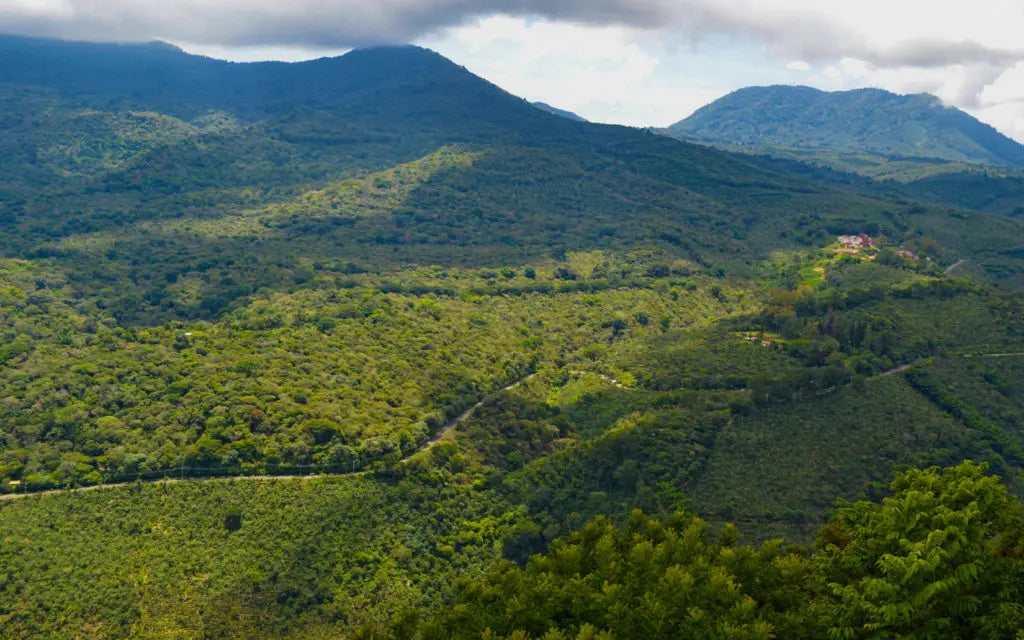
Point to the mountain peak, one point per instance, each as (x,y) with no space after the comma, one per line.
(383,87)
(163,45)
(855,121)
(162,77)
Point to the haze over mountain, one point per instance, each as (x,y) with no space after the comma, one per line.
(858,121)
(559,112)
(427,329)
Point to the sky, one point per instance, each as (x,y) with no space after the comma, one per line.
(634,62)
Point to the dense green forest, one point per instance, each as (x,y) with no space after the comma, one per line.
(958,184)
(938,558)
(336,349)
(911,146)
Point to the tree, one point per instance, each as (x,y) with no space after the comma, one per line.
(938,559)
(650,579)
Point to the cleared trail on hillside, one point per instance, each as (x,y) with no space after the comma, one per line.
(610,380)
(899,369)
(465,416)
(951,268)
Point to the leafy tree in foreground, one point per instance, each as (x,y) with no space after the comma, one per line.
(653,580)
(938,559)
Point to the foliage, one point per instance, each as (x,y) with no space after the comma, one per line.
(653,580)
(304,558)
(332,379)
(489,324)
(939,558)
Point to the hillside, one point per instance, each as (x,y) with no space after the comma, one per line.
(298,347)
(858,121)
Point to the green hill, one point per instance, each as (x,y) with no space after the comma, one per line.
(910,145)
(858,121)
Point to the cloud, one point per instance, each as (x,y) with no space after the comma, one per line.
(599,72)
(307,23)
(793,29)
(798,28)
(939,53)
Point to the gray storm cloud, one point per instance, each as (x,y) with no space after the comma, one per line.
(307,23)
(806,35)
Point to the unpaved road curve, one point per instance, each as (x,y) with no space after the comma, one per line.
(899,369)
(430,443)
(953,266)
(465,415)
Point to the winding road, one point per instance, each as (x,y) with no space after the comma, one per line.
(465,415)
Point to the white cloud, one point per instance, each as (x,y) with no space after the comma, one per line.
(601,73)
(259,53)
(968,54)
(1002,103)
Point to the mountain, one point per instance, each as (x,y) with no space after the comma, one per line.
(369,108)
(858,121)
(297,348)
(559,112)
(134,134)
(163,78)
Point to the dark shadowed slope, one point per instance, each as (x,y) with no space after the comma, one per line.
(559,112)
(113,150)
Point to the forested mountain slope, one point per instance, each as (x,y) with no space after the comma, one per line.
(161,134)
(911,145)
(958,184)
(937,559)
(257,271)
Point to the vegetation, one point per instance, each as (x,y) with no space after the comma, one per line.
(938,558)
(871,141)
(483,328)
(232,559)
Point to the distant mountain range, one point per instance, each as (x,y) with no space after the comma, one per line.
(858,121)
(124,134)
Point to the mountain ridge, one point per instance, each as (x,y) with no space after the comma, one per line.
(167,79)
